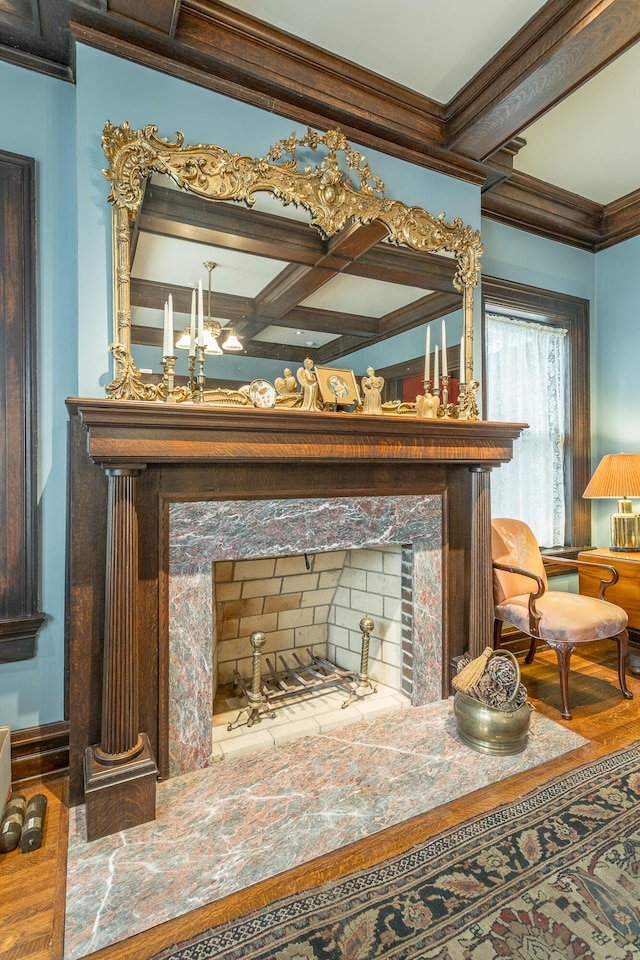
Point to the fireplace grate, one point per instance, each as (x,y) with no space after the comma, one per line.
(265,690)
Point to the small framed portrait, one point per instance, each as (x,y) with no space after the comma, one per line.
(338,387)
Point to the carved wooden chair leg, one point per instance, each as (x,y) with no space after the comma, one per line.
(563,653)
(497,634)
(533,646)
(623,645)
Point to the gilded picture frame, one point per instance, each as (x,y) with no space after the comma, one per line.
(337,387)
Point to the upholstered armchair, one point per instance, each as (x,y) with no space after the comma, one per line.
(562,620)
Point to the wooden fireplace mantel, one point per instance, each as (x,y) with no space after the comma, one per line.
(122,432)
(129,460)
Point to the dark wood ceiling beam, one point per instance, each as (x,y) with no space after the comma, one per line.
(556,52)
(215,48)
(620,221)
(530,204)
(159,15)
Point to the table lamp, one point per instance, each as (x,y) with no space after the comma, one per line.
(618,476)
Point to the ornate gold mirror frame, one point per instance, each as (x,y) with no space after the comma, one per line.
(324,191)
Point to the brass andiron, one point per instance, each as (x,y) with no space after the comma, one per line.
(256,703)
(364,686)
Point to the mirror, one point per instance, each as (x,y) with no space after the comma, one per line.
(370,271)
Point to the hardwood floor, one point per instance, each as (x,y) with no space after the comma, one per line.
(32,886)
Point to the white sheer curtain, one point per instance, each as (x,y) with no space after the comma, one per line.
(526,383)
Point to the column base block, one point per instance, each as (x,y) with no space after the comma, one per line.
(119,796)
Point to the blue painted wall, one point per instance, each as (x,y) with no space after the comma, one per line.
(37,120)
(60,125)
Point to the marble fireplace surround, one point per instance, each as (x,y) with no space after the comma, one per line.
(203,533)
(132,462)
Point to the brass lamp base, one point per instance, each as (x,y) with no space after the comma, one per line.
(625,528)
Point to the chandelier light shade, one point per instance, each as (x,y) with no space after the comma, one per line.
(184,340)
(617,477)
(232,342)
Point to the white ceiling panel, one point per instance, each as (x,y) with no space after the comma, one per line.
(431,46)
(362,297)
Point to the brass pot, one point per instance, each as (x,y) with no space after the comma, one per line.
(492,730)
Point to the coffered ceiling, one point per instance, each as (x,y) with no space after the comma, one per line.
(534,102)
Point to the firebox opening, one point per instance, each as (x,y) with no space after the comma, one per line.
(236,567)
(310,604)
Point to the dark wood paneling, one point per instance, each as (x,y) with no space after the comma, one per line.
(20,619)
(39,754)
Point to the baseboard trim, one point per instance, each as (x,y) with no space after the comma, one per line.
(39,753)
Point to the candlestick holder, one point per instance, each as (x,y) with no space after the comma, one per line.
(168,379)
(199,359)
(462,395)
(444,381)
(192,374)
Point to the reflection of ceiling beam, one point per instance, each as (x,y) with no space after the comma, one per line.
(330,321)
(177,213)
(417,313)
(297,282)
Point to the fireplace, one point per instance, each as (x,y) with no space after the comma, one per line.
(137,468)
(273,532)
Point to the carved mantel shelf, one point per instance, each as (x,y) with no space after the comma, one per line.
(127,432)
(130,459)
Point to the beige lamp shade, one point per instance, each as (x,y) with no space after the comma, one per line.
(618,476)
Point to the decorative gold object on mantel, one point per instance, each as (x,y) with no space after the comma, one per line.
(332,201)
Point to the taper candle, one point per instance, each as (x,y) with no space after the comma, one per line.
(463,375)
(444,349)
(427,355)
(436,378)
(192,331)
(200,316)
(165,335)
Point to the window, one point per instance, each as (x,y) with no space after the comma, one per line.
(531,487)
(536,371)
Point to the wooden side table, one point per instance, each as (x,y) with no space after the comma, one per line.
(626,592)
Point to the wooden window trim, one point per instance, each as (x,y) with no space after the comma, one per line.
(572,313)
(20,620)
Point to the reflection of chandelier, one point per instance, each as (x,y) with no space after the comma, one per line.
(212,328)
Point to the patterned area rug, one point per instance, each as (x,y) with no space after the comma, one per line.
(555,875)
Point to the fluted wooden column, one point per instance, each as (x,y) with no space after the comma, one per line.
(120,772)
(481,594)
(120,738)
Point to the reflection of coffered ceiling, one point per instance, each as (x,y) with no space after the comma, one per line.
(277,281)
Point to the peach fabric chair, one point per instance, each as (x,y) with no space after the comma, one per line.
(563,620)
